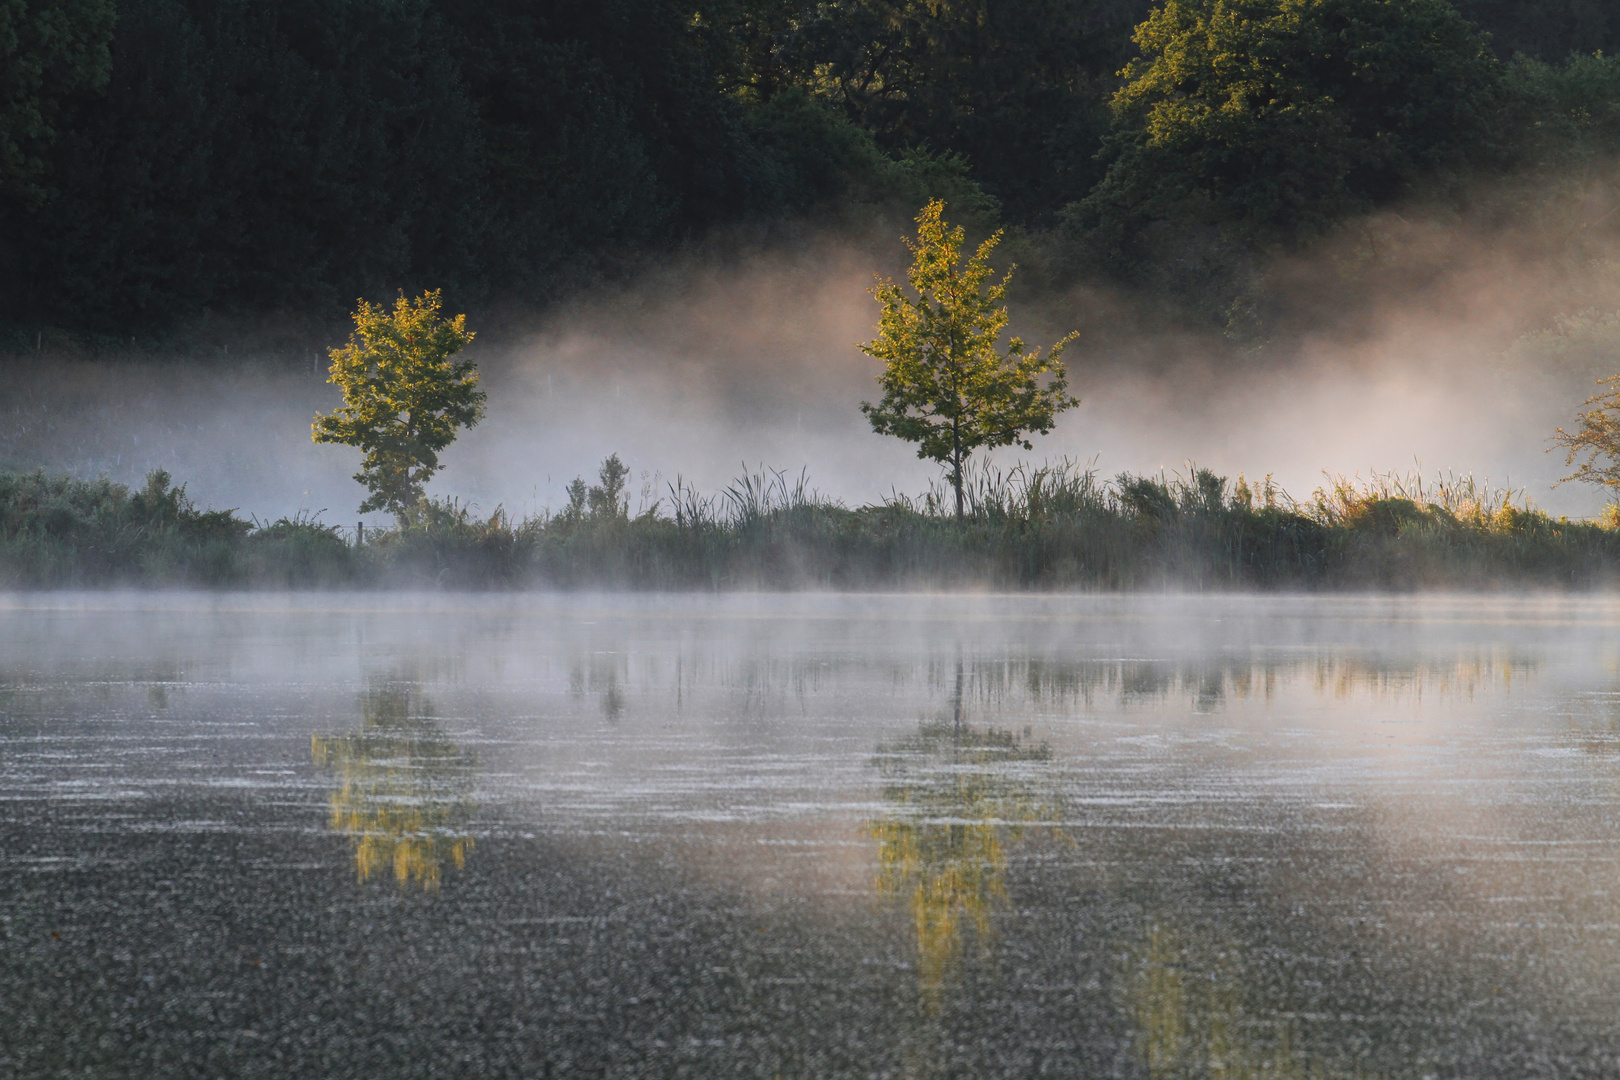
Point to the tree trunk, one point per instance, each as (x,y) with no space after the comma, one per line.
(956,468)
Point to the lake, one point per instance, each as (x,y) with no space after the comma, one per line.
(372,835)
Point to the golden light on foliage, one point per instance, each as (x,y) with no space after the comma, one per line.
(405,791)
(956,792)
(1275,119)
(406,395)
(948,385)
(1594,449)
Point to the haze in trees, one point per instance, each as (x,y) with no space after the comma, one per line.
(167,164)
(1276,118)
(1596,445)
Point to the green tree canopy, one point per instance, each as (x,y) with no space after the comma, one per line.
(1546,29)
(948,385)
(1018,87)
(1277,117)
(198,163)
(405,396)
(49,51)
(288,155)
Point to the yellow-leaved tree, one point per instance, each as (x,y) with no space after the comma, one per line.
(1594,450)
(948,385)
(406,394)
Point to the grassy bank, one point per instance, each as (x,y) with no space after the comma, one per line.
(1050,527)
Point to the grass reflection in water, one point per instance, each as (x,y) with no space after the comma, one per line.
(405,791)
(1198,1014)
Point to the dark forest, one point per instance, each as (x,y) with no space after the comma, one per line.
(166,162)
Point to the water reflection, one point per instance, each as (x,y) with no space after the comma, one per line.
(1355,850)
(955,793)
(405,793)
(1197,1016)
(603,675)
(1209,684)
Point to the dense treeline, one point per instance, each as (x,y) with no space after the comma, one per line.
(1033,528)
(163,161)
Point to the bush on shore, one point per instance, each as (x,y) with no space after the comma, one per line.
(56,532)
(1056,526)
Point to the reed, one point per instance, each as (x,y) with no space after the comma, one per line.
(1056,525)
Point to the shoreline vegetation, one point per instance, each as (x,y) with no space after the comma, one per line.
(1054,526)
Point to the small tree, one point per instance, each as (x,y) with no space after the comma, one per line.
(405,396)
(1598,439)
(947,385)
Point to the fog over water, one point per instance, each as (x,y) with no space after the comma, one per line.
(702,367)
(1146,837)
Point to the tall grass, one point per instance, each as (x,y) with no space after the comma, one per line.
(1056,525)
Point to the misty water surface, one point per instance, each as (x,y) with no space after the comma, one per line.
(1153,837)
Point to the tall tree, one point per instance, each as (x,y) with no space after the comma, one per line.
(256,155)
(1019,87)
(948,384)
(1275,118)
(50,50)
(1546,29)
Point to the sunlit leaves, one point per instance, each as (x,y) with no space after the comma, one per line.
(1594,449)
(948,385)
(1276,117)
(405,396)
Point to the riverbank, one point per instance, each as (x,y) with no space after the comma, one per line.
(1032,528)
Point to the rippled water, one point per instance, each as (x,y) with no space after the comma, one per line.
(357,836)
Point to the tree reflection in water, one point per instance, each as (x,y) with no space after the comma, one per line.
(405,795)
(955,794)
